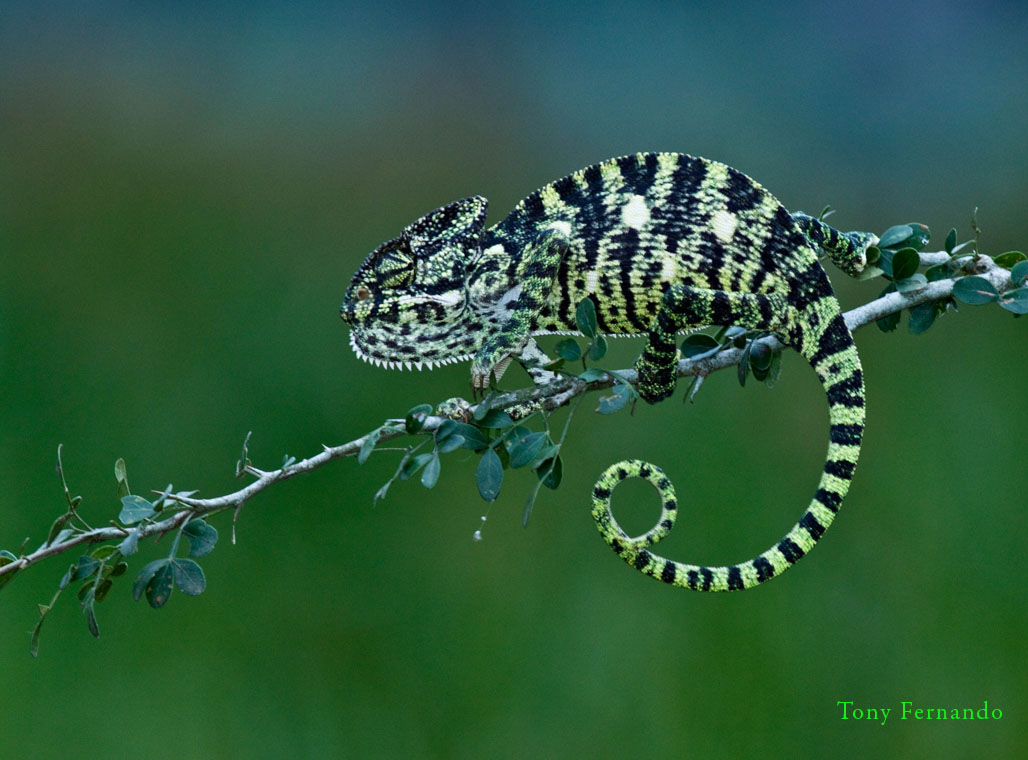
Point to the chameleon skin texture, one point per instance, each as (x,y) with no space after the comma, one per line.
(661,243)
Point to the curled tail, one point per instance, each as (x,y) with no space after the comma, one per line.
(824,340)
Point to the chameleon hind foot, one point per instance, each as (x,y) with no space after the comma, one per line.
(684,306)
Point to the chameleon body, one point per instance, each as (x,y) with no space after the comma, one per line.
(661,243)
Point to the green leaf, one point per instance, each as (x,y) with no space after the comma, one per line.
(888,322)
(920,237)
(550,477)
(489,475)
(569,349)
(34,641)
(598,349)
(369,445)
(91,620)
(102,588)
(904,263)
(155,579)
(774,371)
(912,284)
(472,437)
(1015,301)
(122,478)
(57,527)
(974,290)
(201,536)
(1008,259)
(145,575)
(699,344)
(431,474)
(937,272)
(445,430)
(593,374)
(381,492)
(483,407)
(188,577)
(885,262)
(135,509)
(130,544)
(104,551)
(922,317)
(524,450)
(416,417)
(86,567)
(951,240)
(496,419)
(585,318)
(1019,273)
(760,357)
(119,569)
(621,395)
(893,236)
(413,464)
(451,443)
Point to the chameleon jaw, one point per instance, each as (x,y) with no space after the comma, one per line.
(401,364)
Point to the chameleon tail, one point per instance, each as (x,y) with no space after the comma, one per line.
(825,341)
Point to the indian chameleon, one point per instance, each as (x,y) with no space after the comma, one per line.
(661,243)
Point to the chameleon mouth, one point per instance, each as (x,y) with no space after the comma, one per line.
(402,364)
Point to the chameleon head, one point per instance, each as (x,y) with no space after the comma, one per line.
(407,305)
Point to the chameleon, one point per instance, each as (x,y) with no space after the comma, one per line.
(662,243)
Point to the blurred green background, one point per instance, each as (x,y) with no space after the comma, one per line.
(185,191)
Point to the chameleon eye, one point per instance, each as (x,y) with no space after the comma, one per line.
(363,294)
(395,269)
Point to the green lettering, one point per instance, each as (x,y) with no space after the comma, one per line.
(844,705)
(996,713)
(917,713)
(985,710)
(968,710)
(906,709)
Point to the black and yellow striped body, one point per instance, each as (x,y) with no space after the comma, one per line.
(661,243)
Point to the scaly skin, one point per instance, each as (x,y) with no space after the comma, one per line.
(661,243)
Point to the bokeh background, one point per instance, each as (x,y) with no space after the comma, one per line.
(186,189)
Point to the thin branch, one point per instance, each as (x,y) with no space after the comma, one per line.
(550,396)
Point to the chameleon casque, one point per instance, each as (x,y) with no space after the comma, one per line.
(661,243)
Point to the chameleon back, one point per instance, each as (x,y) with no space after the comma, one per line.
(640,223)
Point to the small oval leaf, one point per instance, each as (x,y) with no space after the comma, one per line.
(1019,273)
(974,290)
(893,236)
(912,284)
(135,509)
(489,475)
(1015,301)
(585,318)
(569,349)
(1008,259)
(202,537)
(904,263)
(189,577)
(951,240)
(525,449)
(431,474)
(415,419)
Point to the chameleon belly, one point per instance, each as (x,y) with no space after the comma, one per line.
(661,243)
